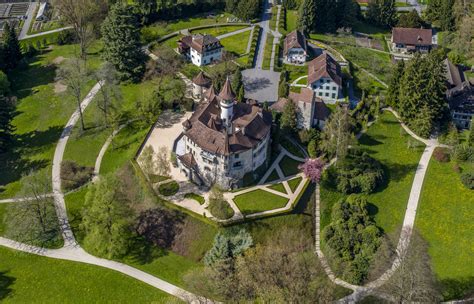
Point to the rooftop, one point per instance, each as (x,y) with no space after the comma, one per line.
(324,66)
(412,36)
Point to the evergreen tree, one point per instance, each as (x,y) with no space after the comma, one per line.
(4,84)
(471,134)
(306,21)
(147,9)
(433,10)
(106,219)
(394,87)
(289,117)
(11,48)
(121,35)
(6,128)
(447,18)
(411,19)
(382,12)
(237,80)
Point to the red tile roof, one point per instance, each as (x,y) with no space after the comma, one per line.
(295,39)
(412,36)
(324,66)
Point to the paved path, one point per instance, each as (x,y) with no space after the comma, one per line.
(234,33)
(46,33)
(265,25)
(407,228)
(104,148)
(276,40)
(22,199)
(29,19)
(71,249)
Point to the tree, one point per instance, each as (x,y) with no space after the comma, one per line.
(84,16)
(11,48)
(4,84)
(163,167)
(105,219)
(313,148)
(122,48)
(147,160)
(471,134)
(6,128)
(413,281)
(312,169)
(109,91)
(306,20)
(289,117)
(159,226)
(394,85)
(218,206)
(228,246)
(382,12)
(147,9)
(34,221)
(410,19)
(336,135)
(74,75)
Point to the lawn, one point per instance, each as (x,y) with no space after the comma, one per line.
(237,44)
(259,200)
(29,278)
(295,72)
(386,142)
(267,54)
(278,187)
(40,115)
(199,198)
(273,20)
(291,20)
(289,166)
(272,177)
(445,220)
(294,183)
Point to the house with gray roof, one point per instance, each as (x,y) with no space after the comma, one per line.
(325,78)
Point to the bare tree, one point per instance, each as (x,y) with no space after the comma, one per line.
(74,75)
(163,167)
(410,278)
(34,220)
(336,135)
(147,160)
(84,16)
(110,92)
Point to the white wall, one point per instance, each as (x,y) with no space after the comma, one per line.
(327,90)
(206,58)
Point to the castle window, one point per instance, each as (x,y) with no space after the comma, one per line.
(236,156)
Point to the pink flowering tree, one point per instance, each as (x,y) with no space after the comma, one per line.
(312,169)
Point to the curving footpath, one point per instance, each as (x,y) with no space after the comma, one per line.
(71,250)
(405,235)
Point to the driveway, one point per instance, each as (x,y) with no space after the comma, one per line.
(261,85)
(29,19)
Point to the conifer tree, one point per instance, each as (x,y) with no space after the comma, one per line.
(306,21)
(11,48)
(336,135)
(471,133)
(6,128)
(121,35)
(394,87)
(289,117)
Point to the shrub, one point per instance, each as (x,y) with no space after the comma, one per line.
(218,206)
(457,168)
(65,37)
(200,199)
(169,189)
(228,246)
(463,153)
(358,173)
(74,175)
(441,154)
(468,180)
(159,226)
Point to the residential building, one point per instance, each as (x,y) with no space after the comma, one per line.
(312,111)
(200,49)
(325,78)
(462,108)
(409,40)
(224,140)
(295,48)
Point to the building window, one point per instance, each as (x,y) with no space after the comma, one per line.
(334,88)
(327,94)
(327,87)
(237,164)
(333,95)
(236,156)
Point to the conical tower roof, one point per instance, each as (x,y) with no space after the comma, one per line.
(226,92)
(210,94)
(201,80)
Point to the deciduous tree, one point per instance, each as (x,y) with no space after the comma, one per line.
(336,135)
(312,169)
(110,96)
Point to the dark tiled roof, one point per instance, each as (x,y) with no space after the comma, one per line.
(306,95)
(412,36)
(201,80)
(188,160)
(250,125)
(226,92)
(324,66)
(322,112)
(210,94)
(201,42)
(453,75)
(295,39)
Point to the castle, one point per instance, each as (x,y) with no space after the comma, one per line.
(224,139)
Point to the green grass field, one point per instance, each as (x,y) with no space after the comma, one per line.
(294,183)
(267,54)
(40,115)
(27,278)
(278,187)
(445,221)
(237,44)
(385,142)
(217,31)
(259,200)
(291,20)
(289,166)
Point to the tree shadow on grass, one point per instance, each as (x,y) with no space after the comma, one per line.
(368,140)
(5,282)
(15,163)
(394,172)
(457,289)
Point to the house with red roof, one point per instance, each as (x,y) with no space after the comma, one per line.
(325,78)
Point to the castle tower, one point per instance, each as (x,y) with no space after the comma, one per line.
(227,98)
(200,84)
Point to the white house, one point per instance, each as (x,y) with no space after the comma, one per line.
(325,78)
(224,140)
(295,48)
(200,49)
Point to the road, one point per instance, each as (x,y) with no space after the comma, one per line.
(29,19)
(265,25)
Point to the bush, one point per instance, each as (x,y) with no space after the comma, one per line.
(468,180)
(218,206)
(200,199)
(358,173)
(73,175)
(169,189)
(159,226)
(441,154)
(463,153)
(65,37)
